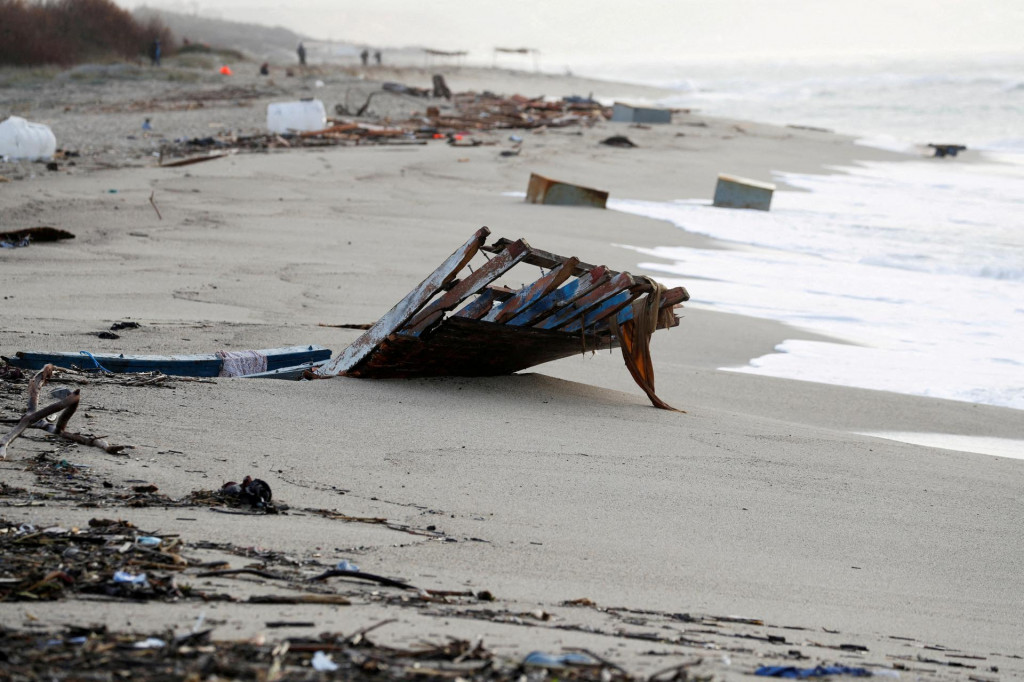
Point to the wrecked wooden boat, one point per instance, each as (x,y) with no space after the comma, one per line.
(474,326)
(221,363)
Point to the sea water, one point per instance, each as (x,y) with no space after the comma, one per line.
(915,268)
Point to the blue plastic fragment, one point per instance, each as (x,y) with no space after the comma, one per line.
(125,577)
(541,659)
(793,672)
(346,565)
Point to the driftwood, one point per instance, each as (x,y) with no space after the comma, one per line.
(359,575)
(190,161)
(35,417)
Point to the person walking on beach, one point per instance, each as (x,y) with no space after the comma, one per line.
(365,56)
(376,57)
(301,51)
(154,53)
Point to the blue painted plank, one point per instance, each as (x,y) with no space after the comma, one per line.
(605,309)
(195,365)
(585,303)
(563,295)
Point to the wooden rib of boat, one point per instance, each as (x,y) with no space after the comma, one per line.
(473,326)
(197,365)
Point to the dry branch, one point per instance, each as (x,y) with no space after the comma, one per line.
(31,418)
(34,417)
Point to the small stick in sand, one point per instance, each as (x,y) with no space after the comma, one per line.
(153,203)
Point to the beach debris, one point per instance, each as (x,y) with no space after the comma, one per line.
(468,112)
(8,373)
(402,89)
(98,652)
(188,162)
(251,491)
(735,192)
(618,141)
(475,327)
(539,659)
(487,111)
(944,150)
(793,672)
(221,363)
(36,417)
(300,116)
(321,662)
(542,190)
(440,88)
(25,140)
(813,129)
(13,239)
(463,140)
(118,326)
(627,113)
(369,577)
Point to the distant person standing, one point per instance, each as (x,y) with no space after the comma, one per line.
(376,57)
(301,51)
(365,56)
(154,52)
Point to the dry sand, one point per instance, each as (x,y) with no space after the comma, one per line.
(553,485)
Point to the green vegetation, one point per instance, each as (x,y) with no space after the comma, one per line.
(67,32)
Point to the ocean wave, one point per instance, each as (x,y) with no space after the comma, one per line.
(980,105)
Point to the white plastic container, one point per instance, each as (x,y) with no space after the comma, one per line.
(21,139)
(302,116)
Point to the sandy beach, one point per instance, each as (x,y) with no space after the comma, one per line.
(594,520)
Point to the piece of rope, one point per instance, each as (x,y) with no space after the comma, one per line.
(94,361)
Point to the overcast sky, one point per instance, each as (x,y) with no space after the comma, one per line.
(638,29)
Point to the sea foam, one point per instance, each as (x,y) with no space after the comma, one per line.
(917,268)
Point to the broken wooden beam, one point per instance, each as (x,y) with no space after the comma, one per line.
(403,311)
